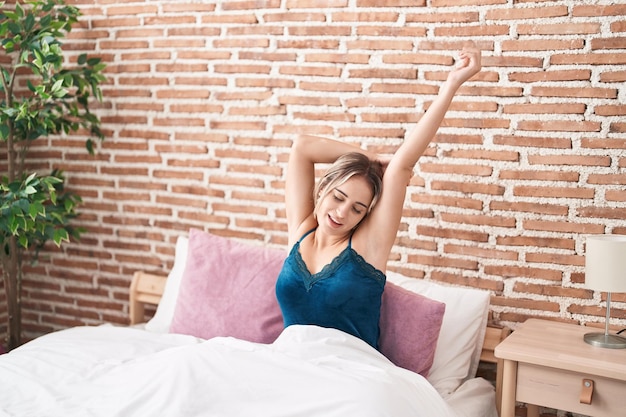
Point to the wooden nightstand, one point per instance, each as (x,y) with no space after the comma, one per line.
(548,364)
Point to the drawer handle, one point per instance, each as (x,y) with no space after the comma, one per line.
(586,392)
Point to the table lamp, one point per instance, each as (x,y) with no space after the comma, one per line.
(605,270)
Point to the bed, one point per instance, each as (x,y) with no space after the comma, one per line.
(215,346)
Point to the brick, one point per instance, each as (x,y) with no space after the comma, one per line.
(471,282)
(257,111)
(553,192)
(526,271)
(559,29)
(187,31)
(473,251)
(242,95)
(310,71)
(543,45)
(331,87)
(552,75)
(563,226)
(483,155)
(554,258)
(533,142)
(224,19)
(319,31)
(611,179)
(255,30)
(461,202)
(572,160)
(389,17)
(442,261)
(458,139)
(590,59)
(251,5)
(558,125)
(452,234)
(615,195)
(602,212)
(325,116)
(461,169)
(391,3)
(308,44)
(294,17)
(515,13)
(544,175)
(370,132)
(598,10)
(467,188)
(391,31)
(262,82)
(608,43)
(438,16)
(132,10)
(528,241)
(479,220)
(310,101)
(613,76)
(338,58)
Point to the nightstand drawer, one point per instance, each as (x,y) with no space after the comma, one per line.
(561,389)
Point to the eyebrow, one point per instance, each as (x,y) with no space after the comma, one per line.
(346,196)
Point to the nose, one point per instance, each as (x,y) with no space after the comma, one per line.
(341,209)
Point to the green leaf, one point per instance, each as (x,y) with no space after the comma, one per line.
(36,209)
(14,28)
(60,235)
(30,178)
(19,10)
(23,241)
(4,132)
(29,22)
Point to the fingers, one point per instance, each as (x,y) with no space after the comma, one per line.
(469,57)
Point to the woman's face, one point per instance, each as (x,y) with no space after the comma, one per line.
(345,206)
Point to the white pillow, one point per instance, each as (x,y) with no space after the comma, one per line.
(160,322)
(462,331)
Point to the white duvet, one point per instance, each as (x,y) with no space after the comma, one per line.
(117,371)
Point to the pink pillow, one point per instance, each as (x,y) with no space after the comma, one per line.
(228,289)
(409,328)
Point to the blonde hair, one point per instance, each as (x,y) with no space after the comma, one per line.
(345,167)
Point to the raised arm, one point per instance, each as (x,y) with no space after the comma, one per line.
(420,136)
(384,220)
(307,151)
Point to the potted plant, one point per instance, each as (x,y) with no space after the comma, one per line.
(41,95)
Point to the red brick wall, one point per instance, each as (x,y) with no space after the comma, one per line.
(204,98)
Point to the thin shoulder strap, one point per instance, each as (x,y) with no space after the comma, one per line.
(306,234)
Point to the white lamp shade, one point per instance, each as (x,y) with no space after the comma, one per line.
(605,263)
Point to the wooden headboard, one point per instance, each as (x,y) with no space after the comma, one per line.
(147,289)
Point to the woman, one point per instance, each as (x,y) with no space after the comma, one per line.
(341,233)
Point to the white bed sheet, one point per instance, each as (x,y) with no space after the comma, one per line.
(309,371)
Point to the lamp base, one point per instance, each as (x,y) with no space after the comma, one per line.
(611,341)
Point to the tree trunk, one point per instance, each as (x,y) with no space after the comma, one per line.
(12,276)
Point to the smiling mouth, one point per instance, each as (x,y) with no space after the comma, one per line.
(334,222)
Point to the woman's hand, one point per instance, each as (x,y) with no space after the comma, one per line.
(468,65)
